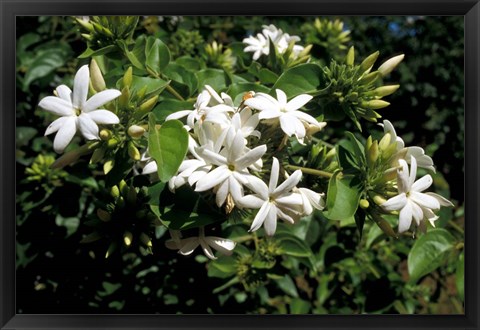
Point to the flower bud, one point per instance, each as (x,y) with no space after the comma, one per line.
(390,64)
(350,58)
(128,77)
(123,188)
(145,239)
(96,77)
(120,202)
(372,154)
(385,90)
(127,238)
(375,104)
(147,106)
(384,225)
(136,131)
(103,215)
(66,159)
(115,191)
(132,195)
(364,204)
(385,141)
(141,93)
(108,166)
(379,200)
(124,98)
(112,143)
(389,175)
(85,24)
(112,247)
(105,134)
(90,238)
(97,155)
(368,62)
(368,143)
(133,151)
(369,78)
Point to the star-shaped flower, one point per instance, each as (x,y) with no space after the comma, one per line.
(292,121)
(410,201)
(77,113)
(274,201)
(186,246)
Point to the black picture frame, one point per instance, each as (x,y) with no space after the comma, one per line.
(9,9)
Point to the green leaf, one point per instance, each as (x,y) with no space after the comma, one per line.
(70,224)
(302,79)
(157,55)
(167,145)
(223,267)
(154,85)
(44,64)
(102,51)
(182,76)
(343,196)
(24,135)
(460,276)
(185,209)
(287,285)
(429,252)
(293,246)
(189,63)
(299,306)
(213,77)
(154,197)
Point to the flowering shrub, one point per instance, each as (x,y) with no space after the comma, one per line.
(228,148)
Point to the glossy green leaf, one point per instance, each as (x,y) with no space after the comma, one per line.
(45,63)
(343,196)
(102,51)
(213,77)
(299,306)
(223,267)
(293,246)
(287,285)
(157,55)
(301,79)
(429,252)
(167,145)
(460,276)
(154,86)
(169,106)
(183,77)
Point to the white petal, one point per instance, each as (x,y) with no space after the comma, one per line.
(258,186)
(221,194)
(395,203)
(288,124)
(270,224)
(261,103)
(403,177)
(198,174)
(179,114)
(222,245)
(236,148)
(272,183)
(290,200)
(213,93)
(251,202)
(80,87)
(422,183)
(298,102)
(442,200)
(150,167)
(56,125)
(188,245)
(260,217)
(250,157)
(100,99)
(207,250)
(424,200)
(213,178)
(104,117)
(282,98)
(65,93)
(289,183)
(235,189)
(405,219)
(211,157)
(57,106)
(88,127)
(284,216)
(413,171)
(314,198)
(65,134)
(306,118)
(417,212)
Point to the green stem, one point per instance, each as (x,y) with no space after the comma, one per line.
(172,91)
(456,227)
(310,171)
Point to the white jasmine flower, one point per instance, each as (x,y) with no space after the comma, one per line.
(78,113)
(260,45)
(274,201)
(209,107)
(410,201)
(311,200)
(232,171)
(292,121)
(147,164)
(186,246)
(418,153)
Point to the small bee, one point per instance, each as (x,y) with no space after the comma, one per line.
(246,96)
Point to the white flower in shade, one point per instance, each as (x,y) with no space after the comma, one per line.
(260,45)
(418,153)
(209,107)
(186,246)
(78,113)
(274,201)
(311,200)
(410,201)
(148,164)
(292,121)
(232,172)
